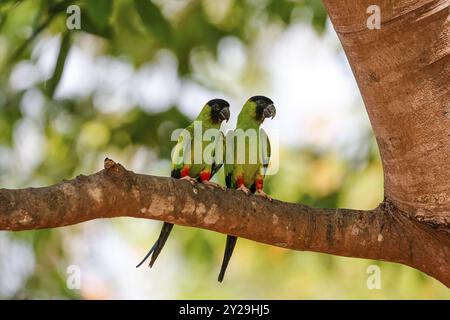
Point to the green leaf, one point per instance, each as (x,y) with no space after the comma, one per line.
(59,66)
(99,11)
(150,129)
(194,30)
(154,21)
(319,15)
(9,115)
(95,17)
(282,8)
(91,25)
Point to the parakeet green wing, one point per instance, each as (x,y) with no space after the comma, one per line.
(264,154)
(219,154)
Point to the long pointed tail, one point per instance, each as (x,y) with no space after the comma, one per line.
(165,232)
(148,254)
(159,244)
(229,247)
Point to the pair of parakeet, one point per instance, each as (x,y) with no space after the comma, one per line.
(245,175)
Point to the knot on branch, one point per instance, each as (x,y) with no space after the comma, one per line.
(118,174)
(112,167)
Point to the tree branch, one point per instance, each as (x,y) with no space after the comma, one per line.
(383,233)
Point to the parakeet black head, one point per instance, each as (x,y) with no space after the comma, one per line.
(264,108)
(213,113)
(220,110)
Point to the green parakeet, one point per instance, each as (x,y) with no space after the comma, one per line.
(247,175)
(194,170)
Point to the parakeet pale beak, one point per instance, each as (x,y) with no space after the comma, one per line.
(225,114)
(269,111)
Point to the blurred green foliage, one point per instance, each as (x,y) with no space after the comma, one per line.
(78,135)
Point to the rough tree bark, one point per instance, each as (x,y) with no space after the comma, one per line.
(403,73)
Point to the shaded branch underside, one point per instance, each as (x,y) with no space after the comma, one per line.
(383,233)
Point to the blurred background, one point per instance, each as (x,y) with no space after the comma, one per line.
(118,87)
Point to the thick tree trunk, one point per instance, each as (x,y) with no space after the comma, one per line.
(403,73)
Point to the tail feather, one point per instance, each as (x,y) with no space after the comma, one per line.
(158,245)
(165,232)
(229,247)
(148,254)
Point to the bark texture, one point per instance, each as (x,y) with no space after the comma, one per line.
(403,72)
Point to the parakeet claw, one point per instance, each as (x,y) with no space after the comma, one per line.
(214,185)
(261,193)
(191,180)
(244,189)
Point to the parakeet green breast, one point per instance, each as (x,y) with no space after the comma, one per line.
(211,117)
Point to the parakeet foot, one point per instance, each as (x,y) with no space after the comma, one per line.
(244,189)
(191,180)
(214,185)
(261,193)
